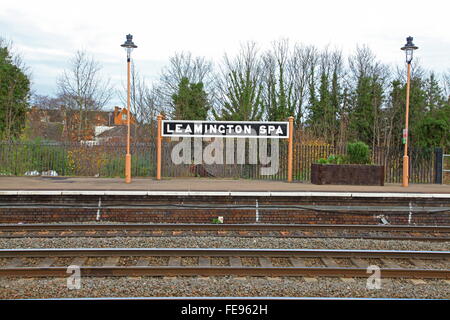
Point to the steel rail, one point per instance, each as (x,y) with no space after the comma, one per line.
(223,271)
(435,233)
(221,227)
(221,252)
(178,270)
(350,237)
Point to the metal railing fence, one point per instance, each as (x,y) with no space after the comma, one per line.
(107,160)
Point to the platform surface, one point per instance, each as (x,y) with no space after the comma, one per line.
(201,184)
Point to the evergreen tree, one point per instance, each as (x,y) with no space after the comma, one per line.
(325,106)
(417,107)
(433,93)
(14,95)
(431,114)
(335,107)
(318,107)
(367,101)
(277,108)
(240,87)
(433,130)
(394,114)
(243,98)
(313,102)
(279,80)
(190,102)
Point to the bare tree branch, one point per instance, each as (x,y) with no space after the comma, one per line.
(83,89)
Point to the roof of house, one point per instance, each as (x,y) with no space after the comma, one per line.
(117,131)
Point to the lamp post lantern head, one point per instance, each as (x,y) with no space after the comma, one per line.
(129,45)
(409,47)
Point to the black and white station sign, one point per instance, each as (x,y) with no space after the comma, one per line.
(226,129)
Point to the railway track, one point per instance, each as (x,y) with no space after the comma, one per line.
(379,232)
(221,262)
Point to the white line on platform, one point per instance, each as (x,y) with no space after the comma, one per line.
(226,193)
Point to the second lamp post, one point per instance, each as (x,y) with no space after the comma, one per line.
(128,46)
(409,48)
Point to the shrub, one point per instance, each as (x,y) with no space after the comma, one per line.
(337,159)
(18,157)
(358,153)
(332,159)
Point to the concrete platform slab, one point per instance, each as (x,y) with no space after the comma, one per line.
(200,200)
(202,186)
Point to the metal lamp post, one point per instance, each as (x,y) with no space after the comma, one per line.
(128,46)
(409,48)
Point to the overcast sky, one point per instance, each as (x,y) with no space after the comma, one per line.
(47,33)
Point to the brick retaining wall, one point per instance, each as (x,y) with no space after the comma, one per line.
(206,216)
(159,210)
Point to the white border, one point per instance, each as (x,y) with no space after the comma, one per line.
(227,193)
(225,136)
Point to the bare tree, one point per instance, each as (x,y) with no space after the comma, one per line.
(446,82)
(45,102)
(370,81)
(144,100)
(82,88)
(280,99)
(145,105)
(298,69)
(312,57)
(183,65)
(239,86)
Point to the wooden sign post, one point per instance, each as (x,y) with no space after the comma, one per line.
(290,148)
(158,148)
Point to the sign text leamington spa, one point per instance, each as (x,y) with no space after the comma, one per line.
(226,129)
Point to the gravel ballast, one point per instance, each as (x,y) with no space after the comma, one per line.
(221,242)
(11,288)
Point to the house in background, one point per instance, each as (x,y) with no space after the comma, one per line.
(116,134)
(64,124)
(121,117)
